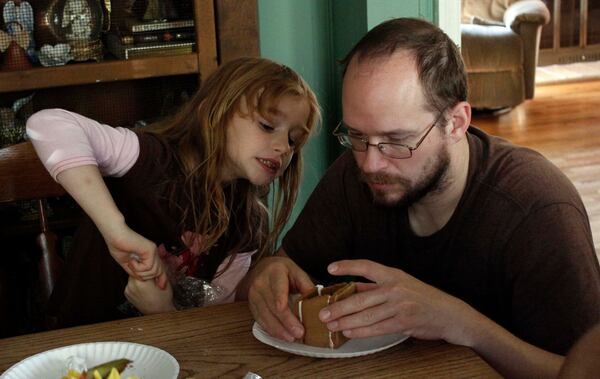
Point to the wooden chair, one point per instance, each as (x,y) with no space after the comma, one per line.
(23,177)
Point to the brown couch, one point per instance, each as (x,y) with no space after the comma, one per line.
(500,42)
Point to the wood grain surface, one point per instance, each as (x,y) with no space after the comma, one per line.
(217,342)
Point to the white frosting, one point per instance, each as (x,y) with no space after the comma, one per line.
(319,289)
(331,346)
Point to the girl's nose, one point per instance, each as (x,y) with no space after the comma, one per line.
(281,143)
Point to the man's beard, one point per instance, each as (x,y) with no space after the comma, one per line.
(433,180)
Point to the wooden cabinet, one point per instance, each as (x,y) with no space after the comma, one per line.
(119,92)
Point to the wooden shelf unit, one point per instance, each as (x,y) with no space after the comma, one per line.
(202,62)
(91,73)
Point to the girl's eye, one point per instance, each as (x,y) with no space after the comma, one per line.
(291,142)
(266,127)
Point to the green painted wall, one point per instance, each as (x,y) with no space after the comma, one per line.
(297,33)
(310,36)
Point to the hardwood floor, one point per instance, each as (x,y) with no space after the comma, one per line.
(563,123)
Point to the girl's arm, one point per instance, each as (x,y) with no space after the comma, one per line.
(77,151)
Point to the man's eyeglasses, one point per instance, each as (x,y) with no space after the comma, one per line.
(389,149)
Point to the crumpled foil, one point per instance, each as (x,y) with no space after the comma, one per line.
(192,292)
(188,291)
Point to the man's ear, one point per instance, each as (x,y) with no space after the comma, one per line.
(459,119)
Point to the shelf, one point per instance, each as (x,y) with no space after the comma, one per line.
(88,73)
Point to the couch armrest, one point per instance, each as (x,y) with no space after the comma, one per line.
(526,11)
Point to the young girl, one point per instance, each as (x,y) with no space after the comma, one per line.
(189,189)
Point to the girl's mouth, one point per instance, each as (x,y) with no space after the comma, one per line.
(271,165)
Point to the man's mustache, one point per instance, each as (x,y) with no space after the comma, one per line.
(382,178)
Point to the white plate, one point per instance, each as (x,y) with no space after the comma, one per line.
(148,362)
(353,348)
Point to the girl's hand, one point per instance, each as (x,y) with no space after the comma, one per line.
(148,298)
(136,254)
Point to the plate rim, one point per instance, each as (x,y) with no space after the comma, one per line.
(261,335)
(75,345)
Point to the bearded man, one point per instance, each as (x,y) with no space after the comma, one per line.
(460,235)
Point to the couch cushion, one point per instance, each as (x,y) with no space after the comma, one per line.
(490,48)
(486,9)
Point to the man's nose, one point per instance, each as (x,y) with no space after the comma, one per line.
(373,160)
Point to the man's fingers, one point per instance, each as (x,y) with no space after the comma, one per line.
(366,317)
(291,323)
(267,319)
(280,308)
(279,288)
(387,326)
(359,302)
(302,282)
(362,287)
(359,267)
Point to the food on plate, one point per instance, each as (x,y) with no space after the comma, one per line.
(307,310)
(108,370)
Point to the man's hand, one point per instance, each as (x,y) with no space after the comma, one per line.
(137,255)
(269,285)
(148,298)
(396,303)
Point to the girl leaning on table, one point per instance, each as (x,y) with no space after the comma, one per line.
(181,206)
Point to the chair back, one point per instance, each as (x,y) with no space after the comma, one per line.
(24,178)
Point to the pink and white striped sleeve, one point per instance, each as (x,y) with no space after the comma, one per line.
(64,140)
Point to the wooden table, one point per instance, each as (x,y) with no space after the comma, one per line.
(217,342)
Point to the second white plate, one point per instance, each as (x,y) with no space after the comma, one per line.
(149,362)
(353,348)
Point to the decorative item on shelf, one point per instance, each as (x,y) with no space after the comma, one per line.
(122,50)
(18,18)
(56,55)
(158,36)
(12,121)
(13,45)
(75,22)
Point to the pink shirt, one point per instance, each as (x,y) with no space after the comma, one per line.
(65,140)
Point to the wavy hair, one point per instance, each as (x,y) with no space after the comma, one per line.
(198,136)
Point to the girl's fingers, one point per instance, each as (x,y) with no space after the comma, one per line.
(161,281)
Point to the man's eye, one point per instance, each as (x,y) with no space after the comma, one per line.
(266,127)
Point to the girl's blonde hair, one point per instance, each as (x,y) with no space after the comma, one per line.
(197,134)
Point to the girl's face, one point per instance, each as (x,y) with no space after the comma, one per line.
(260,147)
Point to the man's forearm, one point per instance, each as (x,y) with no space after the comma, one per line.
(509,355)
(582,361)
